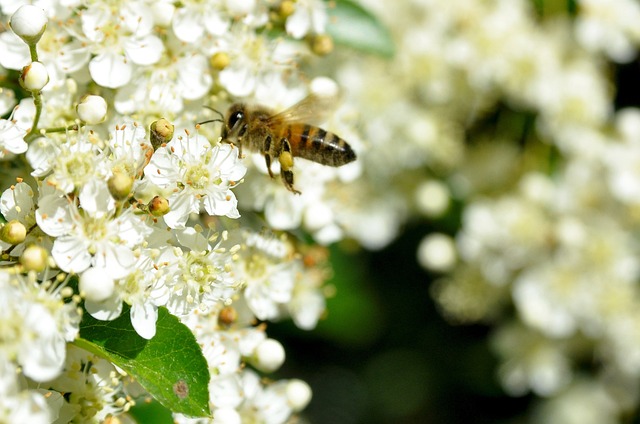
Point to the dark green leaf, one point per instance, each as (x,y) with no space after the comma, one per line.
(352,25)
(170,366)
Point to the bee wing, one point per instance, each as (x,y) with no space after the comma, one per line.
(313,109)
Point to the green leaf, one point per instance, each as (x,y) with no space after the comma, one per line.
(352,25)
(170,366)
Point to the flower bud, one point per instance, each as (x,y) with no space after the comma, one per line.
(120,185)
(298,394)
(34,258)
(322,44)
(96,285)
(158,206)
(220,60)
(92,109)
(34,77)
(268,356)
(29,23)
(437,252)
(287,7)
(13,232)
(161,132)
(227,316)
(432,198)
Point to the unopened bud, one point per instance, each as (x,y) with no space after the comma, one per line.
(287,7)
(34,258)
(92,109)
(29,23)
(227,316)
(13,232)
(159,206)
(120,185)
(322,44)
(161,132)
(34,77)
(298,394)
(220,60)
(96,285)
(268,356)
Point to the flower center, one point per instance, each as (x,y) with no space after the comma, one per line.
(198,177)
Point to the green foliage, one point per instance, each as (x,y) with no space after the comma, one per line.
(353,26)
(170,366)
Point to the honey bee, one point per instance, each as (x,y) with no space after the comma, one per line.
(285,135)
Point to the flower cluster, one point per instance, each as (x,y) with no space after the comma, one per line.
(506,108)
(109,209)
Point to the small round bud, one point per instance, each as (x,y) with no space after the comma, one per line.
(34,258)
(161,132)
(13,232)
(437,252)
(322,44)
(227,316)
(34,77)
(158,206)
(220,60)
(287,7)
(120,185)
(92,109)
(96,285)
(29,23)
(298,394)
(268,356)
(432,198)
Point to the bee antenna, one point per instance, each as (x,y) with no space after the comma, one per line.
(216,111)
(210,121)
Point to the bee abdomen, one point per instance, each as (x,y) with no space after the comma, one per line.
(321,146)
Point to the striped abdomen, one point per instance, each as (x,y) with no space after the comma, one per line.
(318,145)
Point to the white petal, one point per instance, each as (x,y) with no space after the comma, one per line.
(284,211)
(53,216)
(187,25)
(108,310)
(144,51)
(195,81)
(143,319)
(15,53)
(238,79)
(182,204)
(12,137)
(96,200)
(110,70)
(72,56)
(162,171)
(221,203)
(117,260)
(17,202)
(71,254)
(41,155)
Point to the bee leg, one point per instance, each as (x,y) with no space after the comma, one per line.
(241,133)
(267,155)
(286,166)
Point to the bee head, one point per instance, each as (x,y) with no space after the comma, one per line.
(234,121)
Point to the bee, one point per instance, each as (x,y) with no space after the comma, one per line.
(287,134)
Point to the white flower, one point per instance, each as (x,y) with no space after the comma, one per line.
(118,47)
(86,377)
(36,324)
(91,235)
(11,138)
(196,279)
(199,174)
(16,203)
(310,17)
(18,405)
